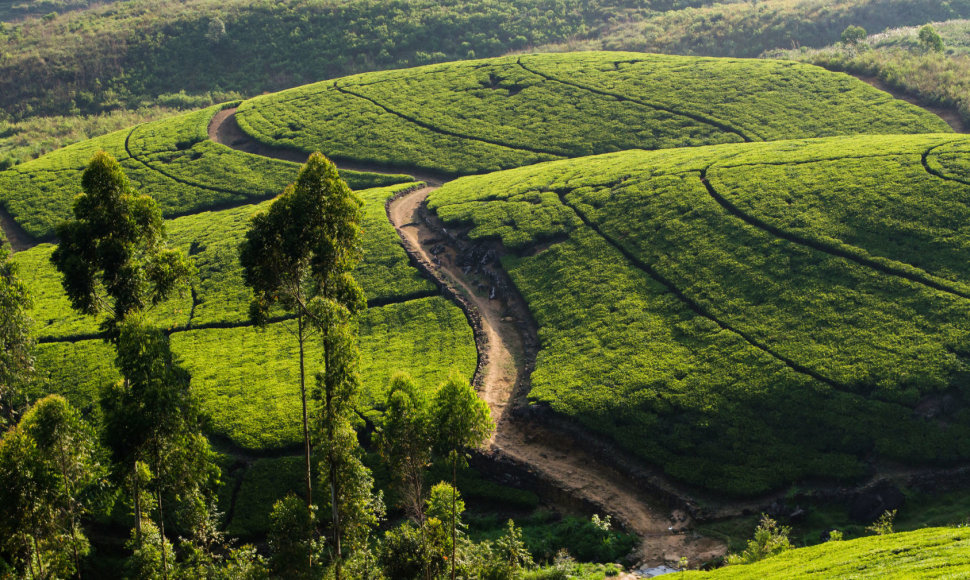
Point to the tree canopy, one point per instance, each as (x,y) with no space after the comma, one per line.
(111,255)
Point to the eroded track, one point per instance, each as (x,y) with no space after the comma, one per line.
(507,338)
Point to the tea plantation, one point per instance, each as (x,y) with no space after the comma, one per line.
(738,354)
(927,553)
(724,286)
(479,116)
(172,158)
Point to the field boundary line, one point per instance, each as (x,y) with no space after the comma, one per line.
(700,118)
(924,159)
(172,177)
(433,128)
(230,324)
(885,266)
(694,305)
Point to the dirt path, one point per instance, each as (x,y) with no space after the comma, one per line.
(510,336)
(507,345)
(951,117)
(17,238)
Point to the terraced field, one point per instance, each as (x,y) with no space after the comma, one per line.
(480,116)
(687,298)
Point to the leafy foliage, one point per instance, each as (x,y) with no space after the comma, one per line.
(52,476)
(769,539)
(480,116)
(111,256)
(16,358)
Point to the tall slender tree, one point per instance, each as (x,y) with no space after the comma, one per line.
(354,508)
(151,418)
(69,444)
(298,256)
(462,421)
(114,264)
(50,469)
(16,360)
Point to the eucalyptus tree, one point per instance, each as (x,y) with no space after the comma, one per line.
(151,419)
(71,447)
(297,256)
(111,256)
(16,360)
(354,508)
(114,263)
(461,421)
(51,472)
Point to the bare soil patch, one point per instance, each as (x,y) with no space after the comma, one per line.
(17,238)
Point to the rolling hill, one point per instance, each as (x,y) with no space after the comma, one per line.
(739,341)
(745,315)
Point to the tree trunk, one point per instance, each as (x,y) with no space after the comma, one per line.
(40,562)
(137,490)
(454,510)
(161,513)
(70,508)
(306,428)
(30,561)
(331,421)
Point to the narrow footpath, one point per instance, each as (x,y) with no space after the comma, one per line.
(507,344)
(552,456)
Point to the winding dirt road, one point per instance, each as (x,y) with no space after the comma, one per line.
(507,343)
(17,238)
(551,456)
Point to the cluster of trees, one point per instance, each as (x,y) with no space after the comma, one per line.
(146,455)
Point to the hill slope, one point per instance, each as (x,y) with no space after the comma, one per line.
(746,315)
(479,116)
(928,553)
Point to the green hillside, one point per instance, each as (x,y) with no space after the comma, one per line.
(246,378)
(927,553)
(172,158)
(479,116)
(746,315)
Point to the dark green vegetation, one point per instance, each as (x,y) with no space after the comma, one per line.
(928,553)
(126,54)
(805,334)
(480,116)
(171,158)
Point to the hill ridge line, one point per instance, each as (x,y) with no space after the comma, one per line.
(713,122)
